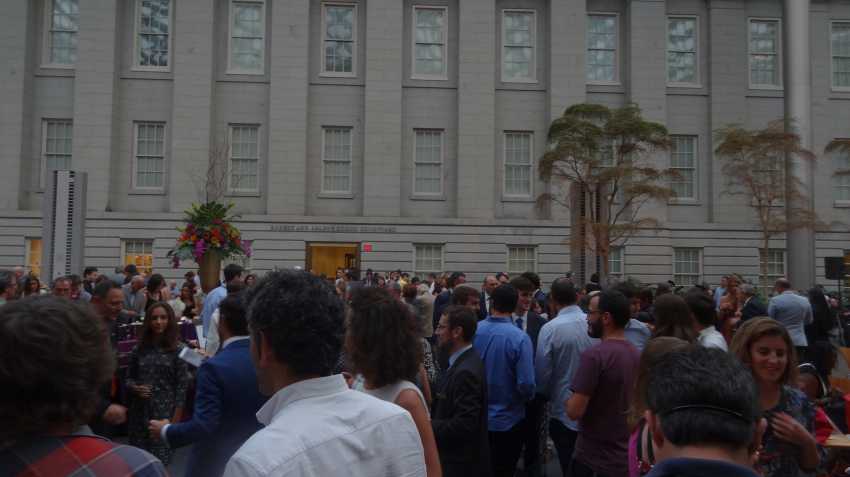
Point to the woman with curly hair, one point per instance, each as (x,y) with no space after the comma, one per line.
(157,379)
(382,344)
(31,286)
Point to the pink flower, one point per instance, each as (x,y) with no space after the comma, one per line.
(199,248)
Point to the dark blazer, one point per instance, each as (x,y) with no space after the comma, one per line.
(535,322)
(753,308)
(440,304)
(460,418)
(482,306)
(226,403)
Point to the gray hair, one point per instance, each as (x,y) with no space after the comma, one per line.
(748,289)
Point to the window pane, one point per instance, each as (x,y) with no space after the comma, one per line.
(518,164)
(62,38)
(429,38)
(681,50)
(764,49)
(247,42)
(601,48)
(840,36)
(140,254)
(153,32)
(428,158)
(336,160)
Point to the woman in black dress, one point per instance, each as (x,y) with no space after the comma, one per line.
(157,379)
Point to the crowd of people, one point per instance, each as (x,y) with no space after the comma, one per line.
(291,374)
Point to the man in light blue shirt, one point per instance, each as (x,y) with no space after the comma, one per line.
(508,363)
(232,273)
(559,347)
(793,311)
(720,291)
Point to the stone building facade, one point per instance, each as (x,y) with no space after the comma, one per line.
(407,129)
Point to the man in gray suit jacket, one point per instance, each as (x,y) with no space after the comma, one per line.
(134,297)
(793,311)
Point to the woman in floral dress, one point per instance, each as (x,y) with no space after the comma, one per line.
(157,379)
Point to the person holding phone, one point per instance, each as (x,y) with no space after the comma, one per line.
(157,379)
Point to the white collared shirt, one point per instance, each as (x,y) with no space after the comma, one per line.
(709,337)
(524,317)
(318,428)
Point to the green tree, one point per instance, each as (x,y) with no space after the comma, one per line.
(604,155)
(754,167)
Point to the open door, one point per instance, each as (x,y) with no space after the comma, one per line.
(326,258)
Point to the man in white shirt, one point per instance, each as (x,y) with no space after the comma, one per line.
(315,426)
(705,316)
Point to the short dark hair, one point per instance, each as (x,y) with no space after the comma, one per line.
(88,270)
(462,294)
(382,340)
(7,277)
(301,317)
(452,280)
(720,395)
(783,284)
(131,269)
(232,271)
(563,292)
(232,314)
(626,289)
(522,284)
(702,307)
(234,287)
(74,279)
(533,278)
(102,289)
(55,358)
(502,274)
(460,316)
(615,303)
(505,298)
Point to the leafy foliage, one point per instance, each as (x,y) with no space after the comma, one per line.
(604,154)
(753,163)
(208,230)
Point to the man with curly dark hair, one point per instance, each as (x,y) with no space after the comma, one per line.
(54,357)
(314,424)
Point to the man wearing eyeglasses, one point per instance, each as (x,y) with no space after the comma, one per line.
(602,390)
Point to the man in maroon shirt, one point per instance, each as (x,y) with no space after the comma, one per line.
(602,390)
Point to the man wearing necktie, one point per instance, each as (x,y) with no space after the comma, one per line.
(530,323)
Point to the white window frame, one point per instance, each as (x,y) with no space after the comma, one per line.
(325,130)
(230,188)
(695,168)
(622,261)
(533,67)
(135,158)
(771,278)
(505,193)
(699,276)
(841,161)
(779,54)
(231,70)
(44,125)
(339,74)
(442,248)
(832,56)
(136,21)
(48,27)
(124,249)
(697,80)
(514,247)
(442,162)
(420,76)
(617,52)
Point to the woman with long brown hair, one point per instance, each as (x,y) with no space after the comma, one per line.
(673,318)
(641,451)
(157,379)
(788,447)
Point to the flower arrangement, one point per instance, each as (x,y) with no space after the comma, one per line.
(208,230)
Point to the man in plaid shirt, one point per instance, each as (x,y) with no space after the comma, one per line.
(55,358)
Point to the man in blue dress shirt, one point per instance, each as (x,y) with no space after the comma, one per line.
(232,273)
(507,355)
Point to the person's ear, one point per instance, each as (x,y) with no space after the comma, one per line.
(654,426)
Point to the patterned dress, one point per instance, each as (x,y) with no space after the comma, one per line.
(779,458)
(168,376)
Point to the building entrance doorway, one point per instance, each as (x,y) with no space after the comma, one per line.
(324,258)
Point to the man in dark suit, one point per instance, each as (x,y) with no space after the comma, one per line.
(753,307)
(490,284)
(530,322)
(226,403)
(134,297)
(444,298)
(459,417)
